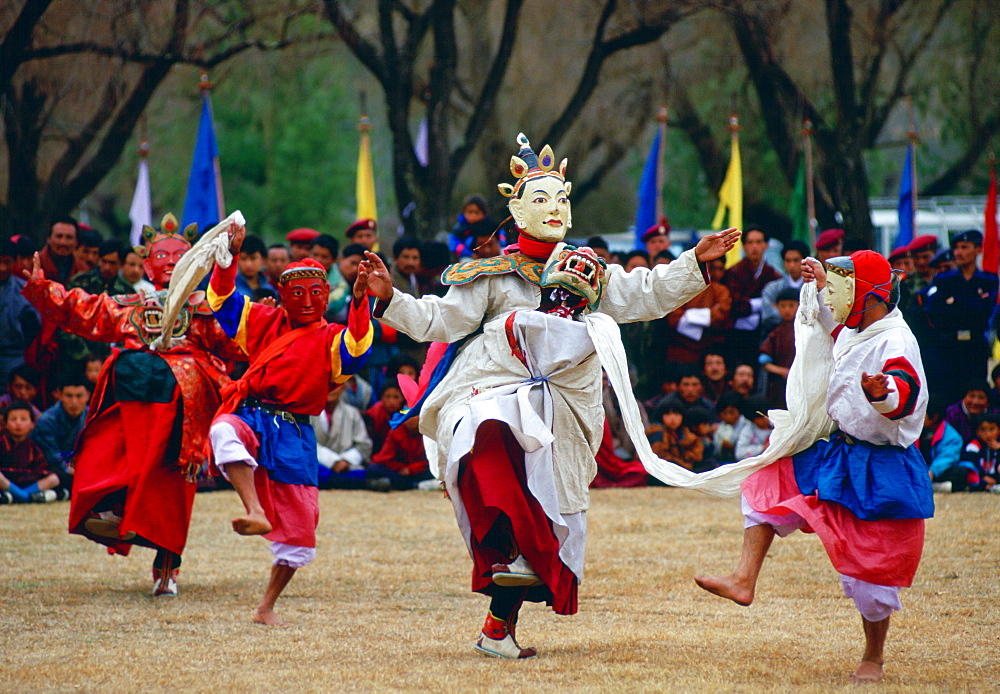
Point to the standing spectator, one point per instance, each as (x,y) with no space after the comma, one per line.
(778,349)
(912,289)
(58,261)
(24,254)
(59,426)
(746,280)
(485,239)
(23,383)
(943,261)
(714,375)
(340,296)
(959,306)
(671,440)
(792,256)
(657,237)
(900,259)
(743,381)
(104,278)
(474,210)
(752,439)
(406,265)
(278,258)
(402,458)
(363,232)
(19,321)
(700,325)
(830,244)
(974,403)
(343,446)
(132,273)
(251,261)
(301,242)
(983,452)
(88,245)
(325,250)
(25,475)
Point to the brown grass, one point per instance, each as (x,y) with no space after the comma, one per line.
(386,607)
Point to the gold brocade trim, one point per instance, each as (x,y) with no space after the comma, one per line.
(462,273)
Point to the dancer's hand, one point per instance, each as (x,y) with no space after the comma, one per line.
(36,269)
(716,245)
(876,387)
(812,271)
(236,236)
(373,276)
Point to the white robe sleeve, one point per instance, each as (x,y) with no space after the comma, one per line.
(648,294)
(439,319)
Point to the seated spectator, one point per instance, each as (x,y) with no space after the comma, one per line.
(59,426)
(671,440)
(662,380)
(358,393)
(690,391)
(752,440)
(700,325)
(994,394)
(343,446)
(983,452)
(390,401)
(941,447)
(778,348)
(23,383)
(729,410)
(700,422)
(24,254)
(406,265)
(25,475)
(791,257)
(251,262)
(714,376)
(636,259)
(402,458)
(612,469)
(743,380)
(975,402)
(402,364)
(664,257)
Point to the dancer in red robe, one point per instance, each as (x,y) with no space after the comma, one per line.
(144,440)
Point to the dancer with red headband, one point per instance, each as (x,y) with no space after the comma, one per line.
(262,439)
(864,491)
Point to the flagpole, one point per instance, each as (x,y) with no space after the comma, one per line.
(912,136)
(662,118)
(206,93)
(807,131)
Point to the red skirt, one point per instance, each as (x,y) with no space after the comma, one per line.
(884,552)
(493,487)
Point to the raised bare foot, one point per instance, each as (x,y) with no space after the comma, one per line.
(268,617)
(868,671)
(252,524)
(726,587)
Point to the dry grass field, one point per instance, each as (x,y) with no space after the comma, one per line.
(386,607)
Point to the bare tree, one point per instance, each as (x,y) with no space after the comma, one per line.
(76,76)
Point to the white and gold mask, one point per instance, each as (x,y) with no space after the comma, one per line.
(839,295)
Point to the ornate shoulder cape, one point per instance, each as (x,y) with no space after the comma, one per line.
(462,273)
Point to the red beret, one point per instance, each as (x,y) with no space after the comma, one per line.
(924,243)
(302,236)
(359,225)
(900,252)
(830,237)
(662,228)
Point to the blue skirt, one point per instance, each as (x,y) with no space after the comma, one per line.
(287,449)
(874,482)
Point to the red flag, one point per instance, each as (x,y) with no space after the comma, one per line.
(991,241)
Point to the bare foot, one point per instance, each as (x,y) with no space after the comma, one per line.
(726,587)
(868,671)
(252,524)
(268,617)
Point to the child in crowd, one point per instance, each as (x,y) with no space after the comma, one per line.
(700,422)
(23,383)
(402,458)
(474,209)
(778,348)
(673,441)
(941,446)
(984,451)
(24,473)
(389,403)
(342,443)
(752,440)
(731,420)
(92,365)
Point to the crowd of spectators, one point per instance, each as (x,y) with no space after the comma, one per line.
(704,376)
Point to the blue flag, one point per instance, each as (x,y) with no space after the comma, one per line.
(906,211)
(649,191)
(202,202)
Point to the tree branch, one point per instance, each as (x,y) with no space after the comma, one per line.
(977,149)
(18,38)
(363,49)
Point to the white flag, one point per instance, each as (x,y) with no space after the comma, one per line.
(141,212)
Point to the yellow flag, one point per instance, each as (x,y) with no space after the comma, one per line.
(365,190)
(731,199)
